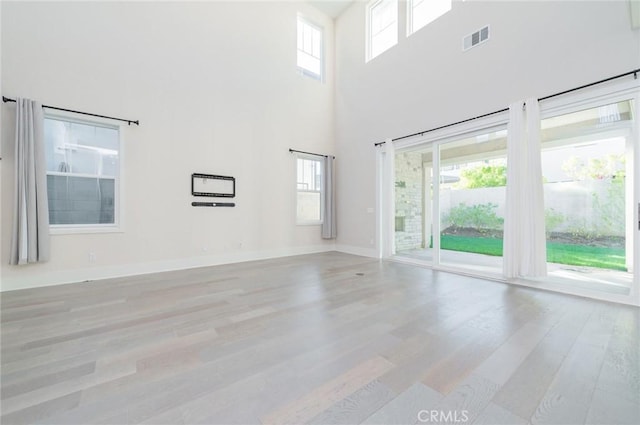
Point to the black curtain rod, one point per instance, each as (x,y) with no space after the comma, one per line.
(311,153)
(136,122)
(420,133)
(445,126)
(634,73)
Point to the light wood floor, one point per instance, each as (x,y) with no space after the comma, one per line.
(324,338)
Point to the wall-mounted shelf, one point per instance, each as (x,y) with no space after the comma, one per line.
(213,204)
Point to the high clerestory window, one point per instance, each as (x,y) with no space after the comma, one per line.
(310,57)
(422,12)
(382,26)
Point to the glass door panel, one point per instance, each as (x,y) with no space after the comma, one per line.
(587,165)
(413,205)
(472,190)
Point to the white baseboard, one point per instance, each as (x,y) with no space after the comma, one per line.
(51,278)
(356,250)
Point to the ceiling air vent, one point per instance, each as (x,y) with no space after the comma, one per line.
(476,38)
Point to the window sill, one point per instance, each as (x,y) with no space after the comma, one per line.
(311,75)
(77,230)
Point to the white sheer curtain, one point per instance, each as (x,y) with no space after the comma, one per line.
(30,235)
(388,204)
(525,253)
(329,228)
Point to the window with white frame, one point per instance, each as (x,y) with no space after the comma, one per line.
(423,12)
(309,49)
(310,193)
(382,26)
(83,170)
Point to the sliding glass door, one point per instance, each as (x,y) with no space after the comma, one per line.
(457,220)
(587,164)
(450,196)
(473,178)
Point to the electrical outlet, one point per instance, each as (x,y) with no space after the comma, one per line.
(92,257)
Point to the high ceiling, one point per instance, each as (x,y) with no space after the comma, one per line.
(333,8)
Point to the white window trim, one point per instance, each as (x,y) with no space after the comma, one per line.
(410,29)
(322,192)
(369,36)
(118,225)
(410,10)
(303,71)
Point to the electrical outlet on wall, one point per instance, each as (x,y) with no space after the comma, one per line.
(92,257)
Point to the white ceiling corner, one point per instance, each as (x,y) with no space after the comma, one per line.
(331,8)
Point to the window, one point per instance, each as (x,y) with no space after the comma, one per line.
(309,49)
(310,192)
(423,12)
(382,26)
(82,173)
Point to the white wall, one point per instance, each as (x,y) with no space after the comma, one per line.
(535,49)
(215,87)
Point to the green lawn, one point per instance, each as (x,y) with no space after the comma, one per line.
(576,255)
